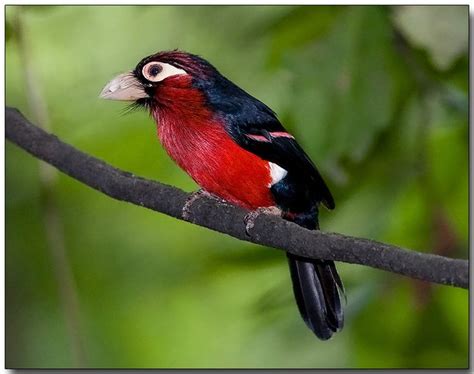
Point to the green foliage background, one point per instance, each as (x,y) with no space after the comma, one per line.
(378,96)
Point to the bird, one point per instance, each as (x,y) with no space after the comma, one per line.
(236,149)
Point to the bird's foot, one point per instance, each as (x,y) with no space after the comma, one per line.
(250,218)
(199,194)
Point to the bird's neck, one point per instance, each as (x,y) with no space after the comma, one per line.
(197,140)
(186,126)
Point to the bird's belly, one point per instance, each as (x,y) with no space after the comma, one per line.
(218,165)
(238,181)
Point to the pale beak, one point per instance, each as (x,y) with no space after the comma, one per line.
(123,87)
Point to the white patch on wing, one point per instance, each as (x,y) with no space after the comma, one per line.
(277,173)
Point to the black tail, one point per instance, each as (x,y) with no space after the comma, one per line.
(318,290)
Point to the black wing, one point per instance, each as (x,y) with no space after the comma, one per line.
(255,127)
(271,142)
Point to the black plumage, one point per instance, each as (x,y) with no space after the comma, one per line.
(317,286)
(316,283)
(256,128)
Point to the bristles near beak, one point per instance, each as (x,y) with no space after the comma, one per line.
(124,87)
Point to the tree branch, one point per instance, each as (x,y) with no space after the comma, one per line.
(228,219)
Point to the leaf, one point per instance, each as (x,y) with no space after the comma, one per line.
(9,34)
(300,26)
(447,147)
(443,31)
(344,87)
(39,8)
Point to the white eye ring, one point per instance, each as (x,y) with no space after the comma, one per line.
(151,71)
(157,71)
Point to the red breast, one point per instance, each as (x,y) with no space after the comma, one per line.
(199,144)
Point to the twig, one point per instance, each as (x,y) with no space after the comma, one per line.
(268,230)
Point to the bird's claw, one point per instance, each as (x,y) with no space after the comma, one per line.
(250,218)
(199,194)
(190,201)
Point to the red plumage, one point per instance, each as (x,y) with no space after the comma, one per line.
(199,144)
(234,147)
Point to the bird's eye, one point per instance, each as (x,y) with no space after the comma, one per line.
(151,71)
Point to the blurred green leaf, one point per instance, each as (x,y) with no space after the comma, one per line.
(9,33)
(38,8)
(343,87)
(442,30)
(300,26)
